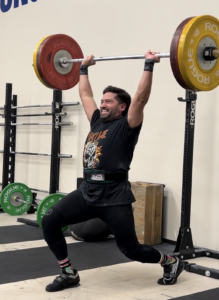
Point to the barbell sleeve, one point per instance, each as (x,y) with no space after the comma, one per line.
(215,53)
(105,58)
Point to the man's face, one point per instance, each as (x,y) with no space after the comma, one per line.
(110,109)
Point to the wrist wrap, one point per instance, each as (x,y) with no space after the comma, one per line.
(83,70)
(149,65)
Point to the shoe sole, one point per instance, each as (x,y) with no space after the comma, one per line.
(67,287)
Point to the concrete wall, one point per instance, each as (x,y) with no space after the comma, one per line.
(116,28)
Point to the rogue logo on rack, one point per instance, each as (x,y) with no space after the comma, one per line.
(192,115)
(5,5)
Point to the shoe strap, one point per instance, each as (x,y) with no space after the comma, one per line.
(61,277)
(169,275)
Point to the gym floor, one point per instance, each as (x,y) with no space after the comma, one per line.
(27,266)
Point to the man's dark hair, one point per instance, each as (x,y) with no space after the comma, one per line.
(121,96)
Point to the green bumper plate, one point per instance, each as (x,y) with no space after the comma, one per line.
(45,205)
(8,196)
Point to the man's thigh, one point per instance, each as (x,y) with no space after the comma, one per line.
(120,220)
(73,208)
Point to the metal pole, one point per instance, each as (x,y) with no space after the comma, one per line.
(9,140)
(70,103)
(17,199)
(184,243)
(39,115)
(61,193)
(18,124)
(48,105)
(21,124)
(27,106)
(41,154)
(37,190)
(65,123)
(65,61)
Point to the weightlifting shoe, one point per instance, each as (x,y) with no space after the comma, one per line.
(64,281)
(171,272)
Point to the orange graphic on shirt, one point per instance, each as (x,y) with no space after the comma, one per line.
(92,151)
(94,137)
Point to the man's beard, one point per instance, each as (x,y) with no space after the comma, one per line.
(110,117)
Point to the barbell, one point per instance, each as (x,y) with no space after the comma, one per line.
(193,57)
(16,199)
(39,154)
(22,124)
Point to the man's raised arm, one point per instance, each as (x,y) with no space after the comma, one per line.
(141,97)
(85,90)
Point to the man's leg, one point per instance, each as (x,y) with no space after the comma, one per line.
(71,209)
(120,220)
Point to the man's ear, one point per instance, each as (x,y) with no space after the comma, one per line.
(123,106)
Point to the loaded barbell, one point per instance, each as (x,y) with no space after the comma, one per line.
(16,199)
(193,57)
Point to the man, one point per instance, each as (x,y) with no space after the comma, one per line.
(105,192)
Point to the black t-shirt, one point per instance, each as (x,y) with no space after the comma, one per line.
(109,147)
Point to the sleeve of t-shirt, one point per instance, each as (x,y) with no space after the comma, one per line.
(138,128)
(95,118)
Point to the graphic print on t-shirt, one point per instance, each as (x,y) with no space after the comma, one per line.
(92,150)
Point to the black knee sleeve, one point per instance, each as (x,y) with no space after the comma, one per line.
(142,253)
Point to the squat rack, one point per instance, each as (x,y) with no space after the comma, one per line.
(10,115)
(184,247)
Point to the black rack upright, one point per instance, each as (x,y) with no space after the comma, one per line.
(56,136)
(184,246)
(9,138)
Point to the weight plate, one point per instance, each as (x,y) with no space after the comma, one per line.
(174,54)
(8,199)
(45,207)
(35,63)
(48,60)
(198,33)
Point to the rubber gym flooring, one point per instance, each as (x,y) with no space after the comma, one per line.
(27,266)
